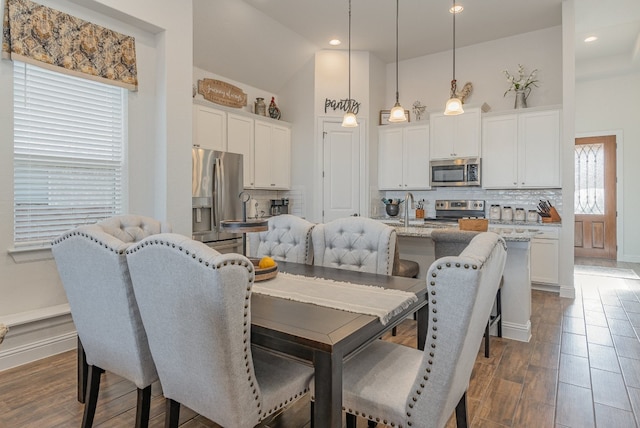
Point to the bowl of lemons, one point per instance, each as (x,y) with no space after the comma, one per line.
(266,268)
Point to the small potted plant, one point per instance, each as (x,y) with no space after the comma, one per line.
(521,85)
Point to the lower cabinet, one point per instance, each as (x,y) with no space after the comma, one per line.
(544,257)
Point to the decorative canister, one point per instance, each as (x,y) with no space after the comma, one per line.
(419,213)
(519,215)
(532,216)
(494,212)
(259,107)
(507,214)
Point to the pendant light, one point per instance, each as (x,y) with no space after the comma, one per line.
(349,120)
(397,112)
(454,105)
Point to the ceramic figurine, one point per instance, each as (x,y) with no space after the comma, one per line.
(274,111)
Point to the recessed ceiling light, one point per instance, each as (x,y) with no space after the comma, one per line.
(590,39)
(456,8)
(334,42)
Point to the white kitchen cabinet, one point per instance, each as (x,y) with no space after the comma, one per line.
(403,157)
(240,132)
(544,257)
(521,150)
(455,136)
(209,128)
(272,156)
(539,149)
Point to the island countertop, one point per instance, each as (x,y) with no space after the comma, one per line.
(420,231)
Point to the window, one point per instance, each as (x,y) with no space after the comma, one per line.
(69,145)
(589,179)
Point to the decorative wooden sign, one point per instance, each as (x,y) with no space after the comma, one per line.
(223,93)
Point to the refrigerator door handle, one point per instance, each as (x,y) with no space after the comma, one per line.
(217,190)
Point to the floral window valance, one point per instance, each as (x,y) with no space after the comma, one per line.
(49,38)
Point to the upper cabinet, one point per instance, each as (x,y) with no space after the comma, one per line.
(455,136)
(240,132)
(209,128)
(272,156)
(521,150)
(403,157)
(264,143)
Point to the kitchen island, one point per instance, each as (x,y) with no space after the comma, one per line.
(414,243)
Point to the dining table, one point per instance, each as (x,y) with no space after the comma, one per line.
(327,337)
(322,336)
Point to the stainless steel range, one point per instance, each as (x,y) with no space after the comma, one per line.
(449,211)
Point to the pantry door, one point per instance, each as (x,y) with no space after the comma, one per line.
(340,171)
(595,197)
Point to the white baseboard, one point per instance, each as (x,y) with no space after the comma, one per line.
(520,332)
(37,334)
(34,351)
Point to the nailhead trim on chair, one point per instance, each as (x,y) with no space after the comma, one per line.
(262,414)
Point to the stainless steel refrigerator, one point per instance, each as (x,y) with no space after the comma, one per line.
(216,186)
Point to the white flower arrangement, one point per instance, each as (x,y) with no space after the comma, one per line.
(521,83)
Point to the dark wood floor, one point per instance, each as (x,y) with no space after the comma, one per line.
(581,369)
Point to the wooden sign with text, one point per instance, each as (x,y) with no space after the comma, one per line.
(223,93)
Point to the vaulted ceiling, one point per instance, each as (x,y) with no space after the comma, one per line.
(264,42)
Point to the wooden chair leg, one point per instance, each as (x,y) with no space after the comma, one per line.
(351,420)
(461,412)
(171,413)
(143,407)
(499,309)
(312,412)
(91,399)
(486,338)
(83,372)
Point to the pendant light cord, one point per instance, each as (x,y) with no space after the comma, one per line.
(453,82)
(397,14)
(350,103)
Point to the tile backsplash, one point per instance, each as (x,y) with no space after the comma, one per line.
(515,198)
(263,199)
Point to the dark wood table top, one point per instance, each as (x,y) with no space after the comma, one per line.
(308,327)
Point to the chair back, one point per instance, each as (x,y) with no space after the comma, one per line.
(288,239)
(196,307)
(461,293)
(451,242)
(95,276)
(355,243)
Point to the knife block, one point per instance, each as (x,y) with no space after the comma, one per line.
(553,218)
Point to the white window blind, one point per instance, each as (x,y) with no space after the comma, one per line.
(69,137)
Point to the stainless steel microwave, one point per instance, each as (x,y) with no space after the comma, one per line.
(455,172)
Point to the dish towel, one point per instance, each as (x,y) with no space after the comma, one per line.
(363,299)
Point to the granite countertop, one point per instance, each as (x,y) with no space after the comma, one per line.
(418,230)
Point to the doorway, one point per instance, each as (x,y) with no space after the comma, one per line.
(595,197)
(341,158)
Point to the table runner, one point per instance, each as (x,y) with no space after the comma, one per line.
(363,299)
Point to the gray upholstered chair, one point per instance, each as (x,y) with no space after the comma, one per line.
(94,272)
(355,243)
(196,308)
(403,387)
(288,238)
(451,242)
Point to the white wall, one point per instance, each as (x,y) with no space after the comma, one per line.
(599,112)
(159,159)
(428,78)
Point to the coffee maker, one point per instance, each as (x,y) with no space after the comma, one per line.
(279,206)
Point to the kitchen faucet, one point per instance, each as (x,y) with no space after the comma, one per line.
(406,207)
